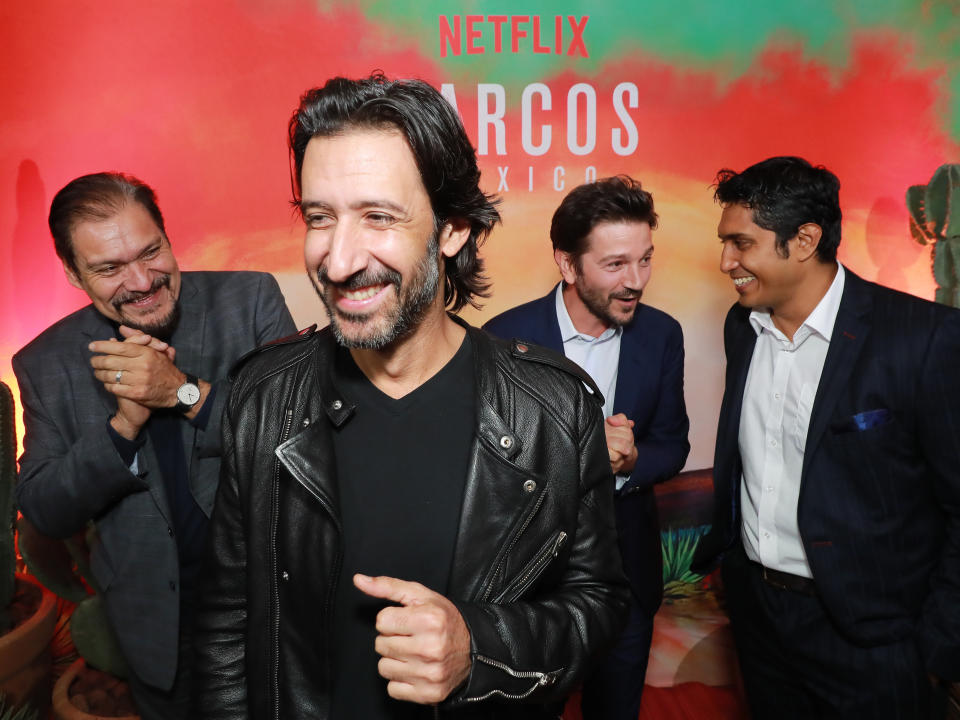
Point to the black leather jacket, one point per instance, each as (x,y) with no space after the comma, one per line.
(536,575)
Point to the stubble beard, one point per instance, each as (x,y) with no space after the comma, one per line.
(400,320)
(599,304)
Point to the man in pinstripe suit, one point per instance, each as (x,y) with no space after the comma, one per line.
(837,468)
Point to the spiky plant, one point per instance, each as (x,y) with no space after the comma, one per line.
(935,220)
(16,712)
(678,546)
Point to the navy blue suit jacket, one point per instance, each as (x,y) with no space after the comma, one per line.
(879,506)
(649,392)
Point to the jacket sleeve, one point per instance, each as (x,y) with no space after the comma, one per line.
(221,621)
(68,474)
(938,431)
(537,650)
(663,448)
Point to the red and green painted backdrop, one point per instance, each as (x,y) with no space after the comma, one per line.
(194,97)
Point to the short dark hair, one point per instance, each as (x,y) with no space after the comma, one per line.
(614,199)
(98,196)
(443,153)
(785,193)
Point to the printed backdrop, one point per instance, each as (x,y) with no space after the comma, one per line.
(194,98)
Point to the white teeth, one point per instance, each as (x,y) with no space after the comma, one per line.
(364,294)
(738,281)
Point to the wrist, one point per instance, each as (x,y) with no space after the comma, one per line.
(124,427)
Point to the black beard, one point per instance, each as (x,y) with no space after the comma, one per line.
(411,306)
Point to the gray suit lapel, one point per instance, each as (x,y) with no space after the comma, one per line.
(188,341)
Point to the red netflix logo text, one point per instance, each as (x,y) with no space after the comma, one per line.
(465,34)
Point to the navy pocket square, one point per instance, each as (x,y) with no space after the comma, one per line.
(866,420)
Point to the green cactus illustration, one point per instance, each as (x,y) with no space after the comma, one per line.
(8,476)
(935,220)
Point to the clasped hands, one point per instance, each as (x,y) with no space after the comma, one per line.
(140,372)
(423,642)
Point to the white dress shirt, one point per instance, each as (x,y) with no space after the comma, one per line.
(777,400)
(598,356)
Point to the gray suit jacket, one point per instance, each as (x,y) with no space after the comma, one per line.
(70,471)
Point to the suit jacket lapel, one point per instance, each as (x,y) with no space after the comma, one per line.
(850,331)
(628,369)
(96,327)
(550,336)
(740,348)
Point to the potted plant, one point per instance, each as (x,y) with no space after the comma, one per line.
(93,686)
(935,221)
(27,612)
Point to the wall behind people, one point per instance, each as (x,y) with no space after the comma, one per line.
(195,97)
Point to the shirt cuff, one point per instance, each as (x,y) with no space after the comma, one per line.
(199,421)
(126,448)
(622,480)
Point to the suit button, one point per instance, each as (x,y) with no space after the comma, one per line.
(336,404)
(529,486)
(173,585)
(170,531)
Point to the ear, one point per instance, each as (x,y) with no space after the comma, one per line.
(72,276)
(567,265)
(453,236)
(808,239)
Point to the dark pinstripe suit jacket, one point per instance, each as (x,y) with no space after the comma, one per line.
(879,506)
(70,471)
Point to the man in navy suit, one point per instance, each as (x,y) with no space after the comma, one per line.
(837,469)
(602,243)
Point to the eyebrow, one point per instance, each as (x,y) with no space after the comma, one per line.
(97,264)
(357,205)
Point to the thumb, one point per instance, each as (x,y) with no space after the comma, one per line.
(399,591)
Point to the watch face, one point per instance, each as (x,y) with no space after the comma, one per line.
(188,394)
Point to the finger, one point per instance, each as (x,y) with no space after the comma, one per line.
(404,592)
(142,338)
(618,420)
(113,347)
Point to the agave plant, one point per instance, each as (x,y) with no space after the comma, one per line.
(14,712)
(678,546)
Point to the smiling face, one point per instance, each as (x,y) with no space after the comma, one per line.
(763,278)
(126,267)
(607,280)
(371,248)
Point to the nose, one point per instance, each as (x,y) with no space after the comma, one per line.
(729,260)
(634,277)
(137,277)
(346,256)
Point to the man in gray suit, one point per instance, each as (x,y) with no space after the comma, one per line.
(122,403)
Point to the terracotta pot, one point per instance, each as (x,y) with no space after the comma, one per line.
(63,709)
(25,653)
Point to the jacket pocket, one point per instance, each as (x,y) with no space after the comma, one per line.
(532,570)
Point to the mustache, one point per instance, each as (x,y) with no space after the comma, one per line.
(133,295)
(363,278)
(627,295)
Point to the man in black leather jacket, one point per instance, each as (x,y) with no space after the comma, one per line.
(414,519)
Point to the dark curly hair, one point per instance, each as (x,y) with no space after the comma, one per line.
(443,153)
(614,199)
(785,193)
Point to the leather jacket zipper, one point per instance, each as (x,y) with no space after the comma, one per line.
(275,591)
(543,679)
(485,596)
(534,569)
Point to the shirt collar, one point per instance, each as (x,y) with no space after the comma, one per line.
(820,321)
(569,332)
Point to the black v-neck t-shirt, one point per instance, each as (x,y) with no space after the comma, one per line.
(401,470)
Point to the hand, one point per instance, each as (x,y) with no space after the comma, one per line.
(148,375)
(620,443)
(424,645)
